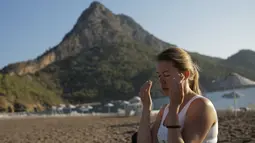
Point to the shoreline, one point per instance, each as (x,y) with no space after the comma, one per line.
(69,115)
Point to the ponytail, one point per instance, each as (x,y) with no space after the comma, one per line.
(194,83)
(183,62)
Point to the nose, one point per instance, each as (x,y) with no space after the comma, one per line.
(162,81)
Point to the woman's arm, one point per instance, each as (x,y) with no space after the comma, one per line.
(174,134)
(199,119)
(144,131)
(147,134)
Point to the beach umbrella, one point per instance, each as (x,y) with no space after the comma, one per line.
(135,99)
(109,105)
(89,107)
(137,107)
(125,103)
(84,109)
(135,104)
(233,95)
(233,81)
(71,106)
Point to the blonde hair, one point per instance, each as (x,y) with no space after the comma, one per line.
(183,62)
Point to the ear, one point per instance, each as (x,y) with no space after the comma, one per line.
(185,75)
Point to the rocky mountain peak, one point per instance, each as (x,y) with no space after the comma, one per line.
(95,10)
(96,6)
(96,26)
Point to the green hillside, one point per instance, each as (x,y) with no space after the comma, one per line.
(25,90)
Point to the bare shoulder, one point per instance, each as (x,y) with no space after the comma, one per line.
(200,117)
(202,107)
(202,102)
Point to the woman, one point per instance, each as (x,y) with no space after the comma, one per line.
(189,117)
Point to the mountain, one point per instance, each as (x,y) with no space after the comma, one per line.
(96,26)
(105,56)
(243,58)
(243,62)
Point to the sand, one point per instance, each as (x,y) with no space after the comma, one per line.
(109,129)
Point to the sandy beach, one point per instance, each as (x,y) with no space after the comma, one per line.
(109,129)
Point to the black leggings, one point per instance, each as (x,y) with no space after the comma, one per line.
(134,138)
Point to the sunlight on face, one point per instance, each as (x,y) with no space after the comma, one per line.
(166,72)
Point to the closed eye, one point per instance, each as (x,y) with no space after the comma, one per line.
(165,75)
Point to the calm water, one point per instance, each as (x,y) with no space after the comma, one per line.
(218,101)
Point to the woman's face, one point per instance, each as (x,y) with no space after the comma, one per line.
(167,74)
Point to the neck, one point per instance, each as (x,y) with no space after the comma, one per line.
(187,89)
(188,94)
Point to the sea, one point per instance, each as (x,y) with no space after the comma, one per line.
(220,103)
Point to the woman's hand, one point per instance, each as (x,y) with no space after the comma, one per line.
(145,95)
(176,86)
(176,92)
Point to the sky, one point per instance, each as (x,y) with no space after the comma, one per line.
(217,28)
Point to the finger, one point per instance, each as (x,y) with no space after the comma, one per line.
(149,86)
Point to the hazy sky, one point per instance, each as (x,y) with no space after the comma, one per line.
(212,27)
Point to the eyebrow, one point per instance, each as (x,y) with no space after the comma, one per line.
(163,71)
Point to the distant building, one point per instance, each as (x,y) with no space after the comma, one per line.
(134,106)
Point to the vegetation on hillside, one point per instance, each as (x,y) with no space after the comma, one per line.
(25,93)
(101,73)
(114,71)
